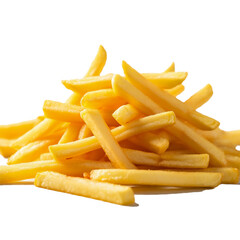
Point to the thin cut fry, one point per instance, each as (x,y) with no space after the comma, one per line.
(71,133)
(150,123)
(5,147)
(171,68)
(233,161)
(23,171)
(99,128)
(108,192)
(167,101)
(175,91)
(157,177)
(180,130)
(233,137)
(84,132)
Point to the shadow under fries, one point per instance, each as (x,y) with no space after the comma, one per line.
(150,190)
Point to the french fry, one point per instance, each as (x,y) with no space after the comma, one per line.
(175,91)
(31,151)
(157,143)
(99,128)
(180,130)
(71,133)
(230,151)
(46,156)
(108,192)
(5,147)
(23,171)
(104,98)
(168,159)
(150,123)
(167,101)
(233,161)
(171,68)
(84,132)
(15,130)
(200,97)
(157,177)
(233,137)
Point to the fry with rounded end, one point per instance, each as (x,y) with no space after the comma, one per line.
(175,91)
(157,177)
(71,133)
(171,68)
(5,147)
(108,192)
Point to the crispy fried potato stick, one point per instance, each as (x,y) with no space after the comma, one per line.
(99,128)
(180,130)
(46,156)
(103,98)
(150,123)
(22,171)
(233,161)
(171,68)
(48,124)
(5,147)
(157,143)
(233,137)
(108,192)
(167,101)
(71,133)
(168,159)
(15,130)
(84,132)
(31,151)
(157,177)
(175,91)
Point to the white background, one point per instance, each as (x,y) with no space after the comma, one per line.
(43,42)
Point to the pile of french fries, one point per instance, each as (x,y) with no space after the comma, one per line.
(116,132)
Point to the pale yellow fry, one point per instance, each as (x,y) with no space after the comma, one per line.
(167,101)
(233,161)
(103,98)
(98,63)
(15,130)
(200,97)
(230,150)
(22,171)
(5,147)
(31,151)
(99,128)
(157,177)
(233,137)
(157,143)
(175,91)
(71,133)
(108,192)
(180,130)
(150,123)
(171,68)
(84,132)
(167,160)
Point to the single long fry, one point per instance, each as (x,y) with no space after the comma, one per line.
(99,128)
(180,130)
(62,111)
(22,171)
(71,133)
(157,143)
(150,123)
(31,151)
(104,98)
(15,130)
(84,132)
(5,147)
(167,101)
(200,97)
(167,160)
(108,192)
(157,177)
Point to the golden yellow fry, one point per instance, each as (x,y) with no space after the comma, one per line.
(99,128)
(233,161)
(167,101)
(150,123)
(84,132)
(180,130)
(157,143)
(168,160)
(104,98)
(230,151)
(175,91)
(108,192)
(62,111)
(71,133)
(5,147)
(46,156)
(200,97)
(98,63)
(31,151)
(15,130)
(157,177)
(22,171)
(171,68)
(233,137)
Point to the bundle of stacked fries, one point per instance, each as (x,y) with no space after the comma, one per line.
(115,132)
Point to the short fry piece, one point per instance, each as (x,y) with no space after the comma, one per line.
(71,133)
(175,91)
(5,147)
(22,171)
(99,128)
(84,132)
(150,123)
(157,177)
(171,68)
(108,192)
